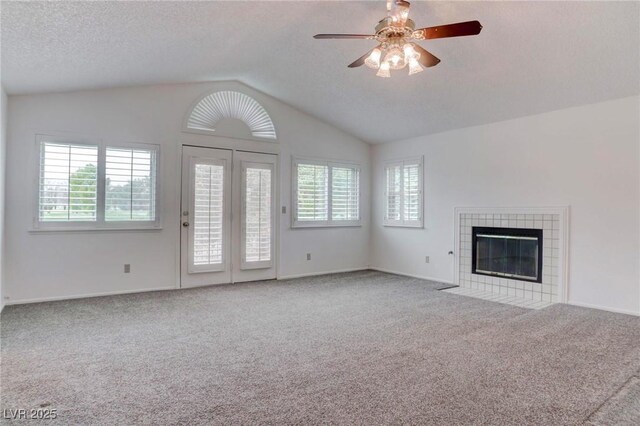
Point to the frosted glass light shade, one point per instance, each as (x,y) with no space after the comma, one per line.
(373,60)
(414,66)
(410,52)
(395,58)
(384,70)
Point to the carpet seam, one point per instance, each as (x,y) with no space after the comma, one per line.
(615,393)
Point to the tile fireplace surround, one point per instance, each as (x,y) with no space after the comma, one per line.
(554,224)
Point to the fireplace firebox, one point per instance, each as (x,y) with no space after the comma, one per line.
(508,253)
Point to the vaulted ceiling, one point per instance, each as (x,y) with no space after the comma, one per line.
(531,57)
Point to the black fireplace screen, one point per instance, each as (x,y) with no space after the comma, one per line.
(508,252)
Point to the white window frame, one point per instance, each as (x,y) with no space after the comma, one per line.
(329,223)
(99,223)
(402,223)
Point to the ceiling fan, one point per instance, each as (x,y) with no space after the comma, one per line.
(396,35)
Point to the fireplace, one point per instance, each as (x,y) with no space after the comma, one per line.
(512,253)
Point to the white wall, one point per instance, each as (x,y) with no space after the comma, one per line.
(586,157)
(3,151)
(59,265)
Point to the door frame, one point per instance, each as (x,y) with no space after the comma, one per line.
(233,144)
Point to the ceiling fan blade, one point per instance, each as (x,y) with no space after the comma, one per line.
(460,29)
(347,36)
(426,58)
(360,61)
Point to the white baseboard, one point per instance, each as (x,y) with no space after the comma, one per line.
(286,277)
(145,290)
(84,296)
(422,277)
(312,274)
(604,308)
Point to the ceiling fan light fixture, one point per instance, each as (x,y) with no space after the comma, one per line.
(414,66)
(395,59)
(398,12)
(396,34)
(410,52)
(384,70)
(373,60)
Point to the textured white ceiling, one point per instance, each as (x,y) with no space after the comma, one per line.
(531,57)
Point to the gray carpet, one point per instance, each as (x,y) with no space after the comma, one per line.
(623,408)
(357,348)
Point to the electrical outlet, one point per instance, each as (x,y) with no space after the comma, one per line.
(308,256)
(284,209)
(426,259)
(127,268)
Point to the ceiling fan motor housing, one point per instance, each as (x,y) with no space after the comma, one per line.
(386,30)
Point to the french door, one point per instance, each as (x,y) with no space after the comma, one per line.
(227,216)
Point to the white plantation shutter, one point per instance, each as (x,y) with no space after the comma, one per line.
(345,193)
(68,184)
(403,193)
(130,184)
(257,215)
(393,193)
(207,205)
(87,185)
(312,192)
(326,194)
(412,194)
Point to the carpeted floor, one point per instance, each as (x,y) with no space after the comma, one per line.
(357,348)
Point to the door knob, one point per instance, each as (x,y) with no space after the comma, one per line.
(185,224)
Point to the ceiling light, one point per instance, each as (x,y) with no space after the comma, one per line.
(398,11)
(410,52)
(396,34)
(414,66)
(395,58)
(373,60)
(383,71)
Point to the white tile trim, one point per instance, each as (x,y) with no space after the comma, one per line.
(498,298)
(561,211)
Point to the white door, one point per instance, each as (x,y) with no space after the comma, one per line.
(206,216)
(228,216)
(254,216)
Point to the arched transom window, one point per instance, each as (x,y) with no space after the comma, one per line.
(213,108)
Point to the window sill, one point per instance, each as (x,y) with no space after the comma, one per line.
(75,229)
(386,225)
(321,226)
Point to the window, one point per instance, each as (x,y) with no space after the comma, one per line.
(208,215)
(87,185)
(130,185)
(68,182)
(257,215)
(325,194)
(345,193)
(403,193)
(312,201)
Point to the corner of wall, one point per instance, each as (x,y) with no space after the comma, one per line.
(3,156)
